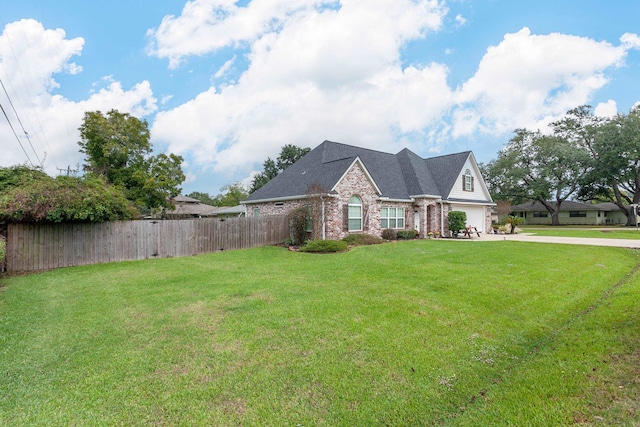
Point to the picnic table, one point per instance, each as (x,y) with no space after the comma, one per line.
(469,230)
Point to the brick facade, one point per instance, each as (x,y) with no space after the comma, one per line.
(356,182)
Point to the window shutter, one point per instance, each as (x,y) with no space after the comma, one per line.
(472,180)
(365,218)
(345,218)
(464,178)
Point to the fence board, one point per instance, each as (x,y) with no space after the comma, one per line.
(36,247)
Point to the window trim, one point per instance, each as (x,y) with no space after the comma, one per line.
(396,218)
(467,181)
(355,201)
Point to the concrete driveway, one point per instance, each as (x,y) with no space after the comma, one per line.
(526,237)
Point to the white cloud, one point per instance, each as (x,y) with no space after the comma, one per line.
(208,25)
(30,58)
(460,20)
(630,40)
(529,79)
(225,68)
(606,109)
(327,73)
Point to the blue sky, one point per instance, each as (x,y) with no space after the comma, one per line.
(227,83)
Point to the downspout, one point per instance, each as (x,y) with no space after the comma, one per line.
(324,227)
(441,218)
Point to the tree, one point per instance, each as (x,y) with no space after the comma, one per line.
(289,154)
(615,176)
(231,195)
(203,197)
(457,221)
(117,148)
(545,168)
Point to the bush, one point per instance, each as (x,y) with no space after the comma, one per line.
(513,221)
(324,246)
(388,234)
(407,234)
(457,221)
(298,221)
(362,239)
(32,196)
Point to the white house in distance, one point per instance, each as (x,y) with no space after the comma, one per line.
(367,191)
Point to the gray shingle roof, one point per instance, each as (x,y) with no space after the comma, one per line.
(567,205)
(398,176)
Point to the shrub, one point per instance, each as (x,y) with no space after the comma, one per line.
(388,234)
(32,196)
(288,242)
(362,239)
(298,221)
(324,246)
(457,221)
(407,234)
(513,221)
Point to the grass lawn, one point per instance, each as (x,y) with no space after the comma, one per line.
(414,333)
(603,233)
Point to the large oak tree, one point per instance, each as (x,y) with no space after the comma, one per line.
(543,168)
(615,176)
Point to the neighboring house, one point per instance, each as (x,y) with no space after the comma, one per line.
(367,191)
(571,213)
(230,211)
(188,207)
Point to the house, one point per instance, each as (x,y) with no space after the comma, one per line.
(230,211)
(188,207)
(367,191)
(571,213)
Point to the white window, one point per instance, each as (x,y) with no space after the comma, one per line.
(391,218)
(355,214)
(467,181)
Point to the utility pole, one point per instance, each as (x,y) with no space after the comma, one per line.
(68,171)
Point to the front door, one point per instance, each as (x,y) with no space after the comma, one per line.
(416,221)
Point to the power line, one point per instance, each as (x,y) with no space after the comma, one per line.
(16,135)
(20,121)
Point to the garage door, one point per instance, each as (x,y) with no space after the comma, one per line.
(475,215)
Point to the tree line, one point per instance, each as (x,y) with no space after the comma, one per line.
(122,179)
(585,157)
(233,194)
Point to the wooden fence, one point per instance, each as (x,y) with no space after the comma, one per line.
(35,247)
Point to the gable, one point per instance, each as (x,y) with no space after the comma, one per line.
(454,186)
(357,166)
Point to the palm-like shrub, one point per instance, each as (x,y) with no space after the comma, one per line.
(513,221)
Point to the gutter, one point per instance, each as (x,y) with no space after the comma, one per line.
(284,199)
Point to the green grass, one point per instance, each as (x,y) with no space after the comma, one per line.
(603,233)
(428,332)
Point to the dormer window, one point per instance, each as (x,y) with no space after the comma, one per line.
(467,181)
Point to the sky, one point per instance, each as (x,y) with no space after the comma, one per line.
(225,84)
